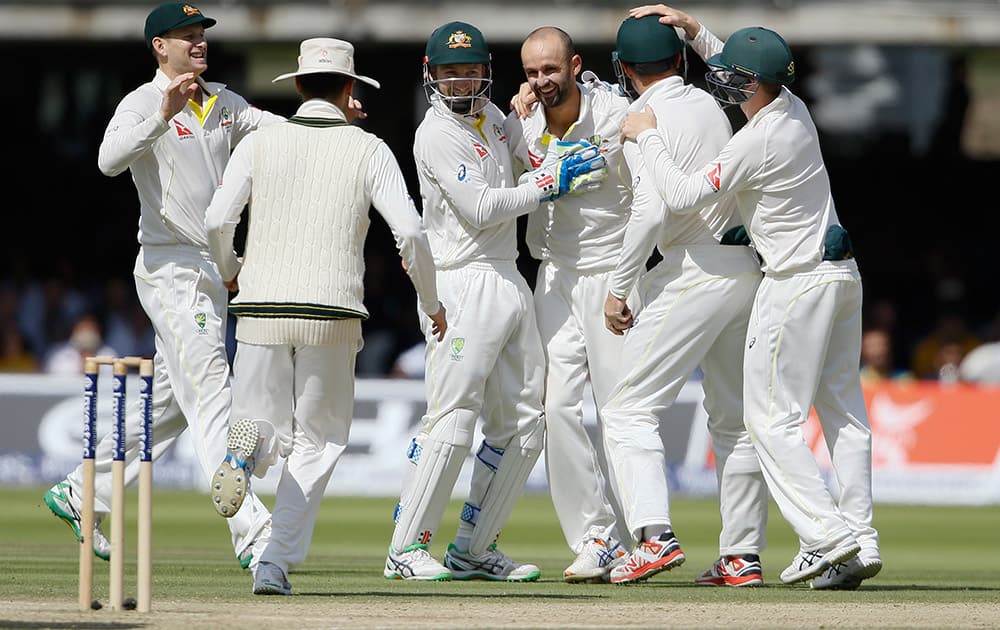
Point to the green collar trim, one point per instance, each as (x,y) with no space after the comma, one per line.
(275,310)
(307,121)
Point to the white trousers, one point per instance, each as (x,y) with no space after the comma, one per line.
(696,303)
(306,396)
(182,293)
(490,362)
(803,349)
(570,310)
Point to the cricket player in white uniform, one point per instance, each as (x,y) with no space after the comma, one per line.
(804,338)
(578,239)
(491,359)
(695,307)
(310,183)
(175,134)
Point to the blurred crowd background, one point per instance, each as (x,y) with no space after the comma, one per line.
(907,126)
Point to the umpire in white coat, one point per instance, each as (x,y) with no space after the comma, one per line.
(299,307)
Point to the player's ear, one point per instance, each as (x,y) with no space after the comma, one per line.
(576,63)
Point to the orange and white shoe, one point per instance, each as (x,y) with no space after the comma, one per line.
(649,558)
(741,570)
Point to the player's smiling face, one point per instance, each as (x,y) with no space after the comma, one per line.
(185,48)
(461,78)
(551,71)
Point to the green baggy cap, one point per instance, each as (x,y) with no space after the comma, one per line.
(645,39)
(171,15)
(456,42)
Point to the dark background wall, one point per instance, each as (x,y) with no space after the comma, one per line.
(923,225)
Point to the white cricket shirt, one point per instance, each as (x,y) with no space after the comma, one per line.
(581,231)
(774,169)
(176,165)
(697,129)
(468,188)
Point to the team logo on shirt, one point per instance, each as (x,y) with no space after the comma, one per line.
(182,131)
(498,132)
(200,320)
(226,118)
(462,173)
(535,160)
(480,149)
(714,177)
(457,345)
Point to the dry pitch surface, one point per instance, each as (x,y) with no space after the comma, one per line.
(479,612)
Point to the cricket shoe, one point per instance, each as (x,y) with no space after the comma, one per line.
(595,562)
(649,558)
(231,480)
(493,564)
(809,564)
(62,501)
(847,576)
(741,570)
(269,579)
(414,563)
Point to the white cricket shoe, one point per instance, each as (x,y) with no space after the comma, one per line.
(232,478)
(595,562)
(491,565)
(808,564)
(847,576)
(414,563)
(269,579)
(63,502)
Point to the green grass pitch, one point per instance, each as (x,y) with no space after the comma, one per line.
(944,555)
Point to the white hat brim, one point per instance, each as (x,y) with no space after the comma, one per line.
(370,81)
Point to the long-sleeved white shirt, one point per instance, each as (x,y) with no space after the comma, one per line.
(772,166)
(697,130)
(582,231)
(384,182)
(467,183)
(176,165)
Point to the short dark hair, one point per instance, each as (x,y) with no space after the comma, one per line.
(323,84)
(654,68)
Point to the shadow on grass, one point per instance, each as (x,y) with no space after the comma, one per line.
(478,595)
(87,625)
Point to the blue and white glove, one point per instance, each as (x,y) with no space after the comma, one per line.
(569,167)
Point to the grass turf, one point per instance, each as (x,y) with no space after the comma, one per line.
(931,554)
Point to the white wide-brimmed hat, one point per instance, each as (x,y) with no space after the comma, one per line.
(325,54)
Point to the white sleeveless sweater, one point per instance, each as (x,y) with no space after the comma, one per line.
(302,279)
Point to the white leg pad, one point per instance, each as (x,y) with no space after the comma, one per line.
(436,461)
(498,482)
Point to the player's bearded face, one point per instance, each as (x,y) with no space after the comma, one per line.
(551,75)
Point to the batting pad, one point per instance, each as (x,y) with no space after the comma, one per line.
(429,483)
(498,483)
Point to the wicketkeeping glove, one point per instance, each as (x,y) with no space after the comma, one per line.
(569,167)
